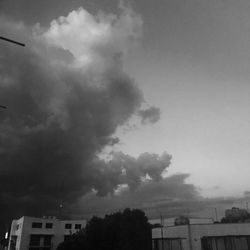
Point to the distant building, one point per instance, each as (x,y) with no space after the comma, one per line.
(181,220)
(236,212)
(218,236)
(30,233)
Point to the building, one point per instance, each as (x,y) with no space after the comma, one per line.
(218,236)
(30,233)
(237,213)
(173,221)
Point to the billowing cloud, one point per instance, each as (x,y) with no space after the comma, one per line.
(127,170)
(170,194)
(67,94)
(150,115)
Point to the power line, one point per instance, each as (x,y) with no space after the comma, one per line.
(12,41)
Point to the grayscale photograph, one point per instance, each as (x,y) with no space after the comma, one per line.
(124,124)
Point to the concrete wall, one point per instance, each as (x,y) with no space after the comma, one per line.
(197,232)
(28,230)
(16,232)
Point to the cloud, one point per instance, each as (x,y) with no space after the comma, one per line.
(67,94)
(246,193)
(171,194)
(150,115)
(170,197)
(100,38)
(127,170)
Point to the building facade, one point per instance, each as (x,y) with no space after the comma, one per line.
(30,233)
(218,236)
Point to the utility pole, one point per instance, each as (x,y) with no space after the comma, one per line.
(216,214)
(162,238)
(12,41)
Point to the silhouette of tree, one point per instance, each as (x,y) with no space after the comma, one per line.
(127,230)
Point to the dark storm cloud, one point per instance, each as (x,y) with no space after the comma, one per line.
(170,197)
(128,170)
(150,115)
(67,94)
(172,194)
(246,194)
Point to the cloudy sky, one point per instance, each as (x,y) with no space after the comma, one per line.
(129,103)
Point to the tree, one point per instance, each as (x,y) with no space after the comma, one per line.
(4,242)
(135,232)
(76,242)
(127,230)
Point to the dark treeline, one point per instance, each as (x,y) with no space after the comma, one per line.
(127,230)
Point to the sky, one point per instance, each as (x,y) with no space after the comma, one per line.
(135,103)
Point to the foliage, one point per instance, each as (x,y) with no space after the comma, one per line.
(127,230)
(240,216)
(4,242)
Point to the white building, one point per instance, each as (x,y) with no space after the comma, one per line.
(235,236)
(30,233)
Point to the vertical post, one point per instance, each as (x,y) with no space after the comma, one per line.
(216,214)
(61,211)
(190,237)
(162,239)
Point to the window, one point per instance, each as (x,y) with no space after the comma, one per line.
(226,243)
(47,240)
(49,225)
(13,241)
(68,226)
(78,226)
(35,240)
(67,237)
(167,244)
(37,225)
(17,226)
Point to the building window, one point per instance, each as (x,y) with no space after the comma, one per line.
(35,240)
(47,240)
(68,226)
(226,243)
(17,226)
(167,244)
(49,225)
(13,241)
(37,225)
(78,226)
(67,237)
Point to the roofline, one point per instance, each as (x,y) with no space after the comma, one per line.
(205,224)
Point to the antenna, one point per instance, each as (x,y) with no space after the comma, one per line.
(162,225)
(216,214)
